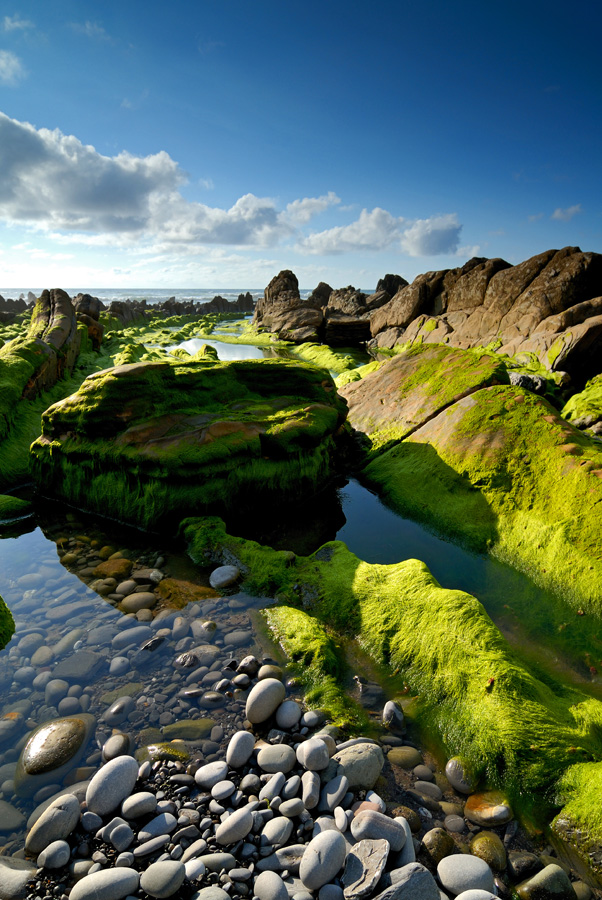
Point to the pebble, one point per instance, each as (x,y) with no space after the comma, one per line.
(461,872)
(313,754)
(489,809)
(270,886)
(224,576)
(163,878)
(288,714)
(460,776)
(56,823)
(361,763)
(333,792)
(111,785)
(405,757)
(263,700)
(54,856)
(239,749)
(236,827)
(310,782)
(210,774)
(322,860)
(142,803)
(364,867)
(108,884)
(373,825)
(276,758)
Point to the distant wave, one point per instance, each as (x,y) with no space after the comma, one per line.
(152,296)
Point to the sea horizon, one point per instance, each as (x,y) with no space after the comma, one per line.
(153,296)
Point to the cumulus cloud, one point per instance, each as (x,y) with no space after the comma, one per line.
(435,236)
(301,211)
(54,183)
(15,23)
(373,230)
(565,215)
(11,68)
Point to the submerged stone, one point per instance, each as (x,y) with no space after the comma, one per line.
(51,751)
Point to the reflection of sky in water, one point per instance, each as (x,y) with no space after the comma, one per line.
(226,352)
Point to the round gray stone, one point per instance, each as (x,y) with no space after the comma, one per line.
(240,749)
(224,576)
(462,872)
(460,776)
(210,774)
(264,699)
(108,884)
(313,754)
(310,782)
(276,758)
(236,827)
(14,875)
(270,886)
(322,860)
(372,825)
(288,714)
(56,822)
(361,763)
(54,856)
(142,803)
(111,785)
(163,878)
(277,831)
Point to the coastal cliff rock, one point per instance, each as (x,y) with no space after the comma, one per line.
(338,318)
(88,310)
(10,309)
(490,463)
(549,305)
(153,441)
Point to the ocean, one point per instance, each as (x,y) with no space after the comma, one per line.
(153,296)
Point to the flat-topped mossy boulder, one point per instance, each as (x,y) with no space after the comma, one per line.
(150,442)
(515,730)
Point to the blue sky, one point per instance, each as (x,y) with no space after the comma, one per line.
(212,143)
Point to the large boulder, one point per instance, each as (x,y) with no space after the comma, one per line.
(154,441)
(492,464)
(549,305)
(34,363)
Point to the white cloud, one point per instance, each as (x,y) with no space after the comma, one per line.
(565,215)
(435,236)
(14,23)
(91,30)
(375,230)
(536,217)
(301,211)
(74,195)
(206,183)
(11,69)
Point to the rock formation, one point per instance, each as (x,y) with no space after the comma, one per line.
(154,441)
(549,306)
(336,317)
(87,310)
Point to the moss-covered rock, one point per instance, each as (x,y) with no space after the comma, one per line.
(502,471)
(317,658)
(7,624)
(584,410)
(13,507)
(408,390)
(517,731)
(152,441)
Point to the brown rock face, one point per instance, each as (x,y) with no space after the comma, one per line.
(549,305)
(54,337)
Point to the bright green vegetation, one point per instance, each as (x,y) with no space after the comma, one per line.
(329,358)
(519,731)
(317,660)
(7,624)
(159,439)
(13,507)
(585,408)
(357,374)
(503,472)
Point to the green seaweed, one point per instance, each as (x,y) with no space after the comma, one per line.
(519,731)
(7,624)
(317,660)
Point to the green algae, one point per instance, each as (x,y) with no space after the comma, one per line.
(325,357)
(7,624)
(155,440)
(13,507)
(351,375)
(520,732)
(585,408)
(500,471)
(317,659)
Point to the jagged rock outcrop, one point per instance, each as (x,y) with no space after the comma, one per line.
(35,362)
(10,309)
(340,318)
(549,305)
(151,442)
(88,310)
